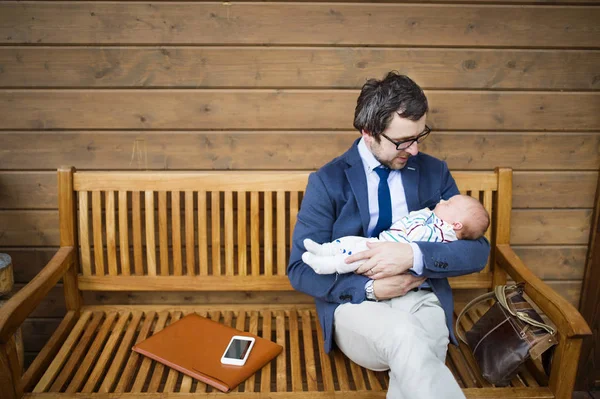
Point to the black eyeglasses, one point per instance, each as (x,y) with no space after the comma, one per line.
(404,144)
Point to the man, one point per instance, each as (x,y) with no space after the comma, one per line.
(395,311)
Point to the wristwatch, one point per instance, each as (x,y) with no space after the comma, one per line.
(369,291)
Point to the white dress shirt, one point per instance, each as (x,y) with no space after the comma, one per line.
(399,205)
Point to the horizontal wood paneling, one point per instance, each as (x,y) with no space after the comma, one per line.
(53,304)
(29,228)
(551,189)
(37,190)
(284,109)
(283,150)
(554,262)
(546,226)
(546,261)
(260,67)
(555,189)
(37,331)
(297,23)
(28,261)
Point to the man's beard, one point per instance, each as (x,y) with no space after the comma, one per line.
(390,165)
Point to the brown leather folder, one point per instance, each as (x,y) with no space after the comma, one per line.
(194,346)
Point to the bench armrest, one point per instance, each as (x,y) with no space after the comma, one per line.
(19,307)
(567,319)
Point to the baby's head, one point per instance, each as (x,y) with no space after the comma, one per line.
(467,216)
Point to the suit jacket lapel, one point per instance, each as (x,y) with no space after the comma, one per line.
(355,174)
(410,181)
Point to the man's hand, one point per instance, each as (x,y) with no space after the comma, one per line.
(383,259)
(391,287)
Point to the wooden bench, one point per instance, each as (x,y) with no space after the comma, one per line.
(242,271)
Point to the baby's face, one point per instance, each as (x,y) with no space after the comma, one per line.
(452,210)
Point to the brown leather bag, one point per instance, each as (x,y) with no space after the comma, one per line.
(508,334)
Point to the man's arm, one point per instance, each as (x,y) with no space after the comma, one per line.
(427,259)
(441,260)
(315,221)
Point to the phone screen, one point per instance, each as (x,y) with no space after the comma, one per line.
(238,349)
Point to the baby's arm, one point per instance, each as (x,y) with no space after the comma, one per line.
(328,258)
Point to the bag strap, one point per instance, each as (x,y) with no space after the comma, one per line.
(476,301)
(499,294)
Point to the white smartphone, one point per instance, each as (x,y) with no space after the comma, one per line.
(238,350)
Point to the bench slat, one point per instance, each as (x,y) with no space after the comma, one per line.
(228,220)
(123,238)
(357,376)
(294,345)
(144,369)
(265,373)
(127,373)
(340,370)
(282,358)
(163,224)
(325,359)
(293,211)
(281,241)
(202,234)
(84,242)
(124,349)
(137,233)
(240,324)
(111,233)
(190,261)
(309,354)
(150,238)
(255,232)
(79,350)
(253,329)
(173,374)
(97,231)
(63,354)
(92,355)
(159,368)
(241,233)
(268,233)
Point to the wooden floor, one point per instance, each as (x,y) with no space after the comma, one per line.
(97,358)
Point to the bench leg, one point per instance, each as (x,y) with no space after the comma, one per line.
(10,371)
(564,367)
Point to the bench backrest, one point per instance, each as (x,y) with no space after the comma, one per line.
(211,231)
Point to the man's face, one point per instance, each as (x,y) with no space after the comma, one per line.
(399,129)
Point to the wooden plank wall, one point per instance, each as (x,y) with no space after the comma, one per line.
(272,85)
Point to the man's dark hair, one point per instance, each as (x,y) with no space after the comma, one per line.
(380,99)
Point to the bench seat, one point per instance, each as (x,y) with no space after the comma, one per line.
(227,235)
(96,357)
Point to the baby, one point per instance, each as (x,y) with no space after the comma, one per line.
(461,217)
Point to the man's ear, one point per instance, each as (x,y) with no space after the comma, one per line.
(457,226)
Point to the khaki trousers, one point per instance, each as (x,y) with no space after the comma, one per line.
(406,335)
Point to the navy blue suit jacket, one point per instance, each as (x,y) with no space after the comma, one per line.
(335,204)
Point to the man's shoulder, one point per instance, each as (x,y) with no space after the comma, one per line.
(337,166)
(423,159)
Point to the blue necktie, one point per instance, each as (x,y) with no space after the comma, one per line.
(384,200)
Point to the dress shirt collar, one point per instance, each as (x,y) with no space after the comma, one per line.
(369,160)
